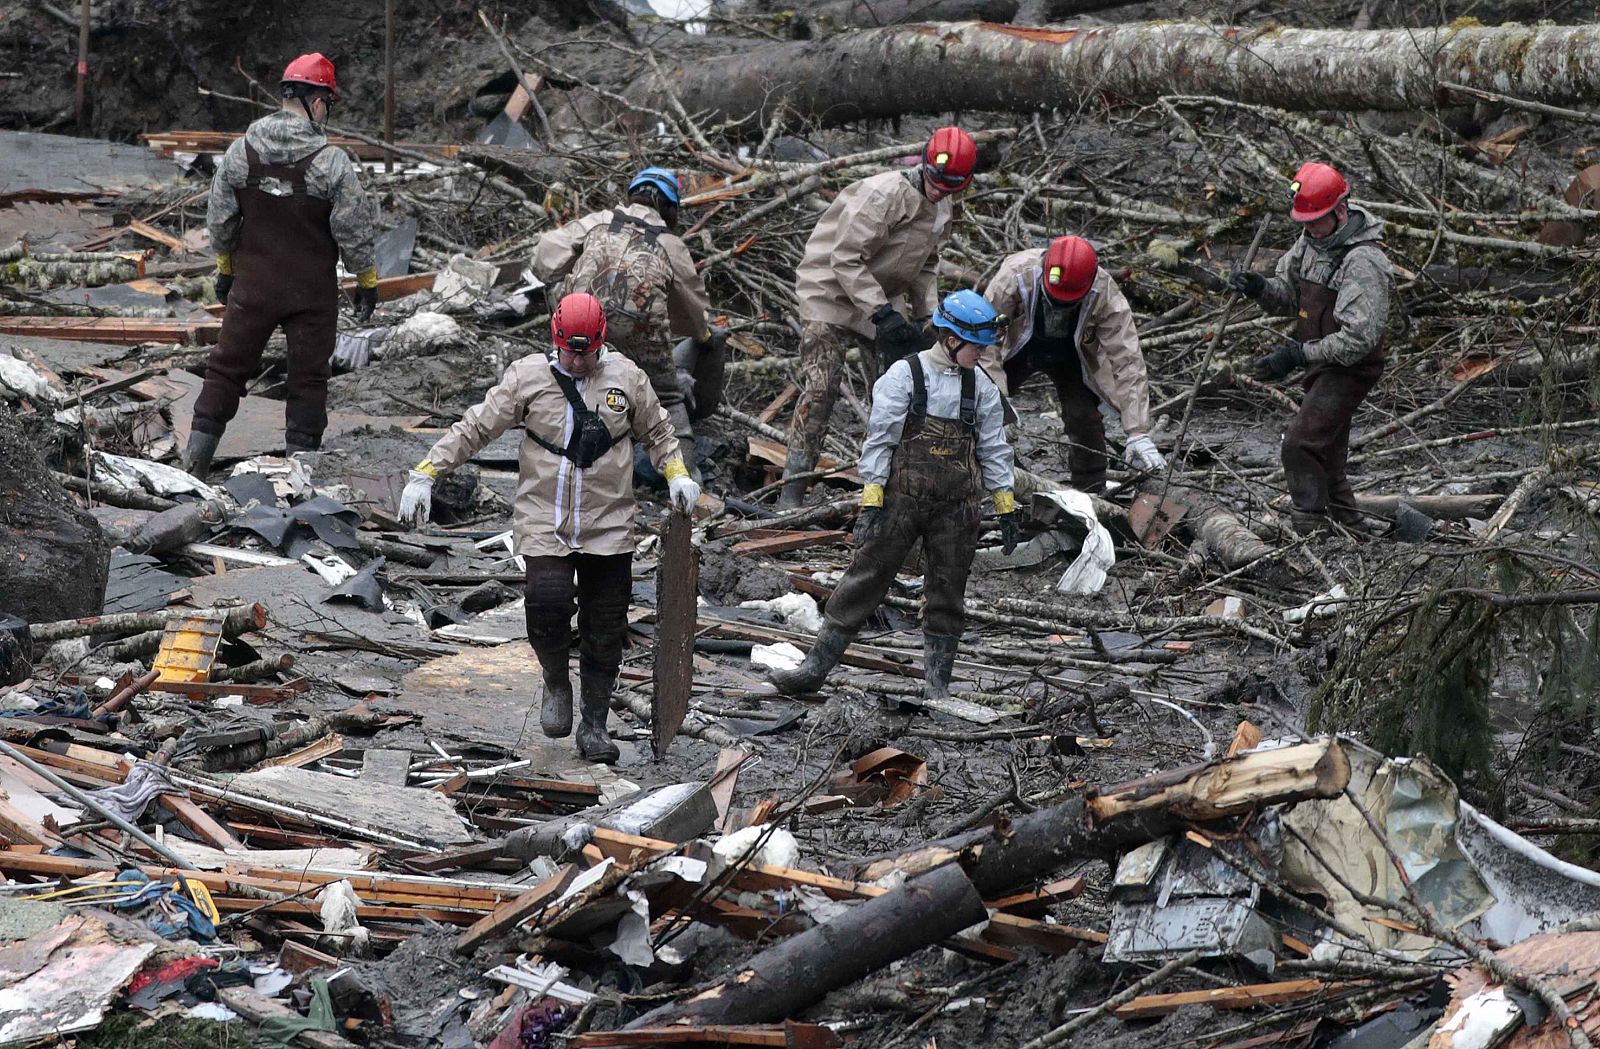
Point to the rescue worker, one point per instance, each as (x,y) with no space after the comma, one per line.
(936,441)
(633,261)
(581,408)
(1336,281)
(284,207)
(1070,321)
(868,280)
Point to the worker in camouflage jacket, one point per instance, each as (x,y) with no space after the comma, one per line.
(284,207)
(1336,282)
(581,409)
(630,258)
(868,280)
(935,443)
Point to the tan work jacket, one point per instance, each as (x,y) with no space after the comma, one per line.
(561,509)
(877,243)
(687,303)
(1107,342)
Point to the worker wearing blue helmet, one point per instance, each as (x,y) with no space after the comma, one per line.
(630,258)
(935,443)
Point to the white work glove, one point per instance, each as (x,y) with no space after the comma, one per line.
(1143,455)
(416,502)
(353,352)
(684,493)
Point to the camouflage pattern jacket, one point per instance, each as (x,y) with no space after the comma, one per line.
(285,137)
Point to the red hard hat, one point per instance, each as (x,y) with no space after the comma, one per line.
(579,323)
(313,69)
(949,159)
(1317,189)
(1069,267)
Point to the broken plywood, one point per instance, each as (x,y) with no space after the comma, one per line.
(422,815)
(74,985)
(59,167)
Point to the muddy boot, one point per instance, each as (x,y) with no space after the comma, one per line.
(197,456)
(298,442)
(1309,522)
(684,431)
(1091,484)
(938,660)
(594,743)
(823,657)
(555,711)
(793,496)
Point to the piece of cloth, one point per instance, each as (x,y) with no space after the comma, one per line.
(560,508)
(133,795)
(877,243)
(284,269)
(282,1030)
(1351,263)
(285,138)
(891,401)
(598,588)
(1316,446)
(1080,418)
(822,352)
(1104,335)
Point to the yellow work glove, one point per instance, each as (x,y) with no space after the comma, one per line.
(872,495)
(1004,501)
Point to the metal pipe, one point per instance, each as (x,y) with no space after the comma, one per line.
(94,806)
(133,688)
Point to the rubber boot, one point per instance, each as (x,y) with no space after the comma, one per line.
(594,743)
(1309,522)
(295,442)
(813,670)
(793,496)
(684,430)
(555,711)
(1090,484)
(938,660)
(197,456)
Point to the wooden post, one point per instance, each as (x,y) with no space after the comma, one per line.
(80,102)
(388,83)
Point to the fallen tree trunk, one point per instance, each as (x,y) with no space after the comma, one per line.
(978,66)
(1101,823)
(847,14)
(783,979)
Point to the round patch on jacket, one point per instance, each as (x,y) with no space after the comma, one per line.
(616,399)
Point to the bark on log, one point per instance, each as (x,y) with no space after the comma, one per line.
(783,979)
(979,66)
(236,621)
(1225,535)
(1101,823)
(1438,507)
(847,14)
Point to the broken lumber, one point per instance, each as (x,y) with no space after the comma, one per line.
(786,1035)
(785,978)
(513,912)
(981,67)
(1102,822)
(1243,997)
(121,331)
(774,541)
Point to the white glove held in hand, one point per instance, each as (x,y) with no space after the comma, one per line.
(684,493)
(416,502)
(1142,454)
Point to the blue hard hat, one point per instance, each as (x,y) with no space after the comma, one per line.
(968,315)
(662,179)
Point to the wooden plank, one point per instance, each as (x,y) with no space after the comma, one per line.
(149,232)
(1246,996)
(120,331)
(391,288)
(316,750)
(298,958)
(774,453)
(770,412)
(454,859)
(167,143)
(391,767)
(787,541)
(258,1009)
(1034,902)
(513,912)
(677,587)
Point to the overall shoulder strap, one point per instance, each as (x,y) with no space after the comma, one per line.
(919,386)
(969,398)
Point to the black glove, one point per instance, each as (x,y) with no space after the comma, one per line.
(224,285)
(718,342)
(1250,285)
(1010,532)
(366,300)
(867,525)
(896,335)
(1284,358)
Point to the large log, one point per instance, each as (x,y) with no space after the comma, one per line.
(785,978)
(980,66)
(1101,823)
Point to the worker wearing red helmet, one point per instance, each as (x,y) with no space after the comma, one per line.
(1336,282)
(580,407)
(868,280)
(1071,322)
(283,209)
